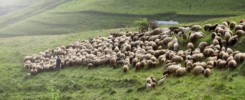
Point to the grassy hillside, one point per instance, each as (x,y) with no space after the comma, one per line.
(78,82)
(69,16)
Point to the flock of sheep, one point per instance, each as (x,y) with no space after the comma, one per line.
(149,50)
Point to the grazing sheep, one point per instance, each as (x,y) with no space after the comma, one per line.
(180,71)
(238,27)
(243,27)
(196,28)
(207,26)
(172,68)
(240,57)
(198,70)
(207,72)
(227,36)
(202,45)
(195,35)
(232,64)
(208,52)
(232,25)
(177,59)
(125,68)
(162,80)
(190,46)
(240,33)
(233,40)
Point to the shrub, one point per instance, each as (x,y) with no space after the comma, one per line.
(142,24)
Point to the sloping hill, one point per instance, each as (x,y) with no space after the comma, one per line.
(60,16)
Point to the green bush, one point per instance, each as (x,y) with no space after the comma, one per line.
(142,24)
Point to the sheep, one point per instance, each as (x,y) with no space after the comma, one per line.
(195,35)
(202,45)
(232,25)
(167,40)
(208,52)
(180,71)
(227,36)
(196,28)
(240,33)
(177,59)
(240,57)
(238,27)
(232,64)
(233,40)
(190,46)
(125,68)
(212,28)
(156,31)
(162,80)
(221,63)
(172,68)
(197,57)
(207,26)
(207,72)
(210,64)
(198,70)
(243,27)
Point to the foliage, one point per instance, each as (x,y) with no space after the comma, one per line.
(142,24)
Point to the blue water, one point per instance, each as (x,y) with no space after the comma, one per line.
(166,22)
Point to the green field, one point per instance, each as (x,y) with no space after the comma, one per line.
(72,16)
(35,28)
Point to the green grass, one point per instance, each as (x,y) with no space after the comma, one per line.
(69,16)
(79,82)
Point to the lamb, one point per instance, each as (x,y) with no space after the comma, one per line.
(198,70)
(162,80)
(207,72)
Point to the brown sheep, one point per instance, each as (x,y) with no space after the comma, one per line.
(198,70)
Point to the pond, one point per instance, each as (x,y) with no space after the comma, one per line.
(166,22)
